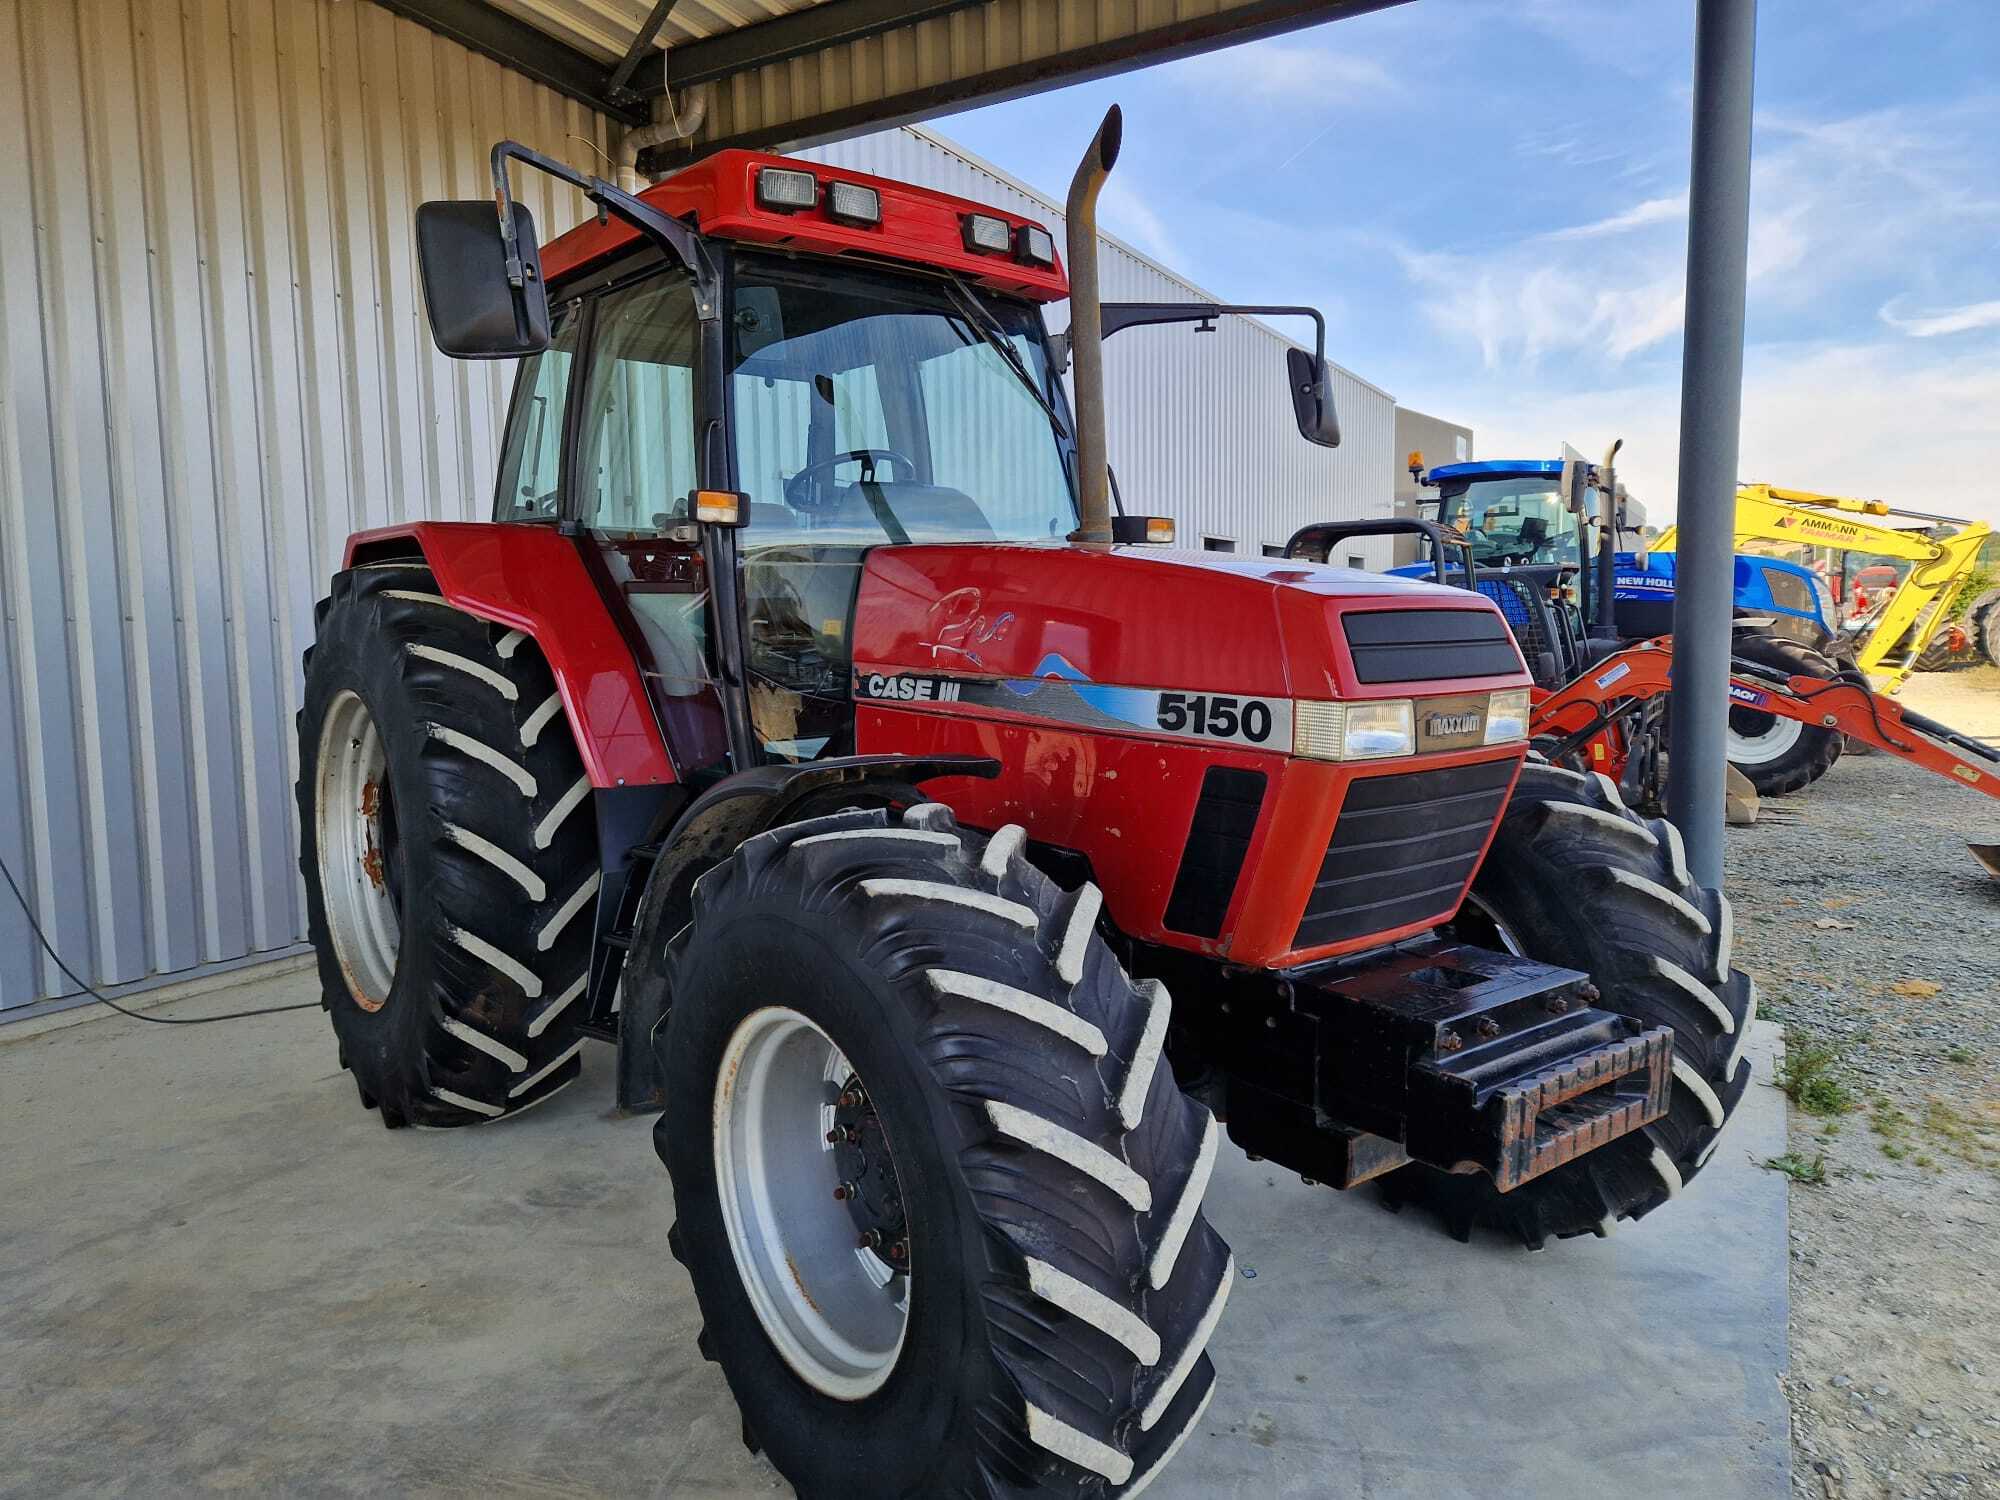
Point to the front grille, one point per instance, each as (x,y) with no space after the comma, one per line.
(1218,841)
(1402,850)
(1425,645)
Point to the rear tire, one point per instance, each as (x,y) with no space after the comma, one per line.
(1983,624)
(1575,878)
(1047,1172)
(1781,755)
(449,853)
(1940,656)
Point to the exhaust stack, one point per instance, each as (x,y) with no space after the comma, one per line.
(1607,542)
(1086,330)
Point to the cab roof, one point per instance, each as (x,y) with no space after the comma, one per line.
(718,195)
(1487,468)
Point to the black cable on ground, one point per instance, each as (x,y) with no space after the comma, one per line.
(91,990)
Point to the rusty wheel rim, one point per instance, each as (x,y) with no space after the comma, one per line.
(355,835)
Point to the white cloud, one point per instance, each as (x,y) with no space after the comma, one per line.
(1125,213)
(1639,216)
(1953,320)
(1268,74)
(1853,202)
(1889,420)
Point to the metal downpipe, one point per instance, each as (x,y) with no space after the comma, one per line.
(669,125)
(1725,45)
(1086,330)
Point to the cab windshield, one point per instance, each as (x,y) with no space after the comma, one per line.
(875,408)
(1520,520)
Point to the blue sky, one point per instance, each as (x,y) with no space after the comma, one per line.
(1488,198)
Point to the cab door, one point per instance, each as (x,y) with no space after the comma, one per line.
(634,466)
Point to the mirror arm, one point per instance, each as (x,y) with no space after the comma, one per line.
(669,234)
(1120,315)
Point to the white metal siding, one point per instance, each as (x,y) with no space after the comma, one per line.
(213,366)
(1200,426)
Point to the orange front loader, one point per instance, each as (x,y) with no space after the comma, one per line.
(1599,715)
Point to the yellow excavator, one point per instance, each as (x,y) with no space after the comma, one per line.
(1942,552)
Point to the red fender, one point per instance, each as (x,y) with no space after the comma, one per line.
(530,579)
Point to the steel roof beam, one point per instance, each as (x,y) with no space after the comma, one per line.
(619,86)
(829,24)
(480,28)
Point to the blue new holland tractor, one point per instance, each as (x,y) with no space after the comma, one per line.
(1543,542)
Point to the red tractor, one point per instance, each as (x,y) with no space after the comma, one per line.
(942,857)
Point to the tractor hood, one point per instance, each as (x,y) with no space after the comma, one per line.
(1149,617)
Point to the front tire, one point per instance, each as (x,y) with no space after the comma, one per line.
(448,851)
(1577,879)
(1020,1195)
(1777,754)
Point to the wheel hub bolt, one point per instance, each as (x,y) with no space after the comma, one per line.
(871,1239)
(899,1252)
(842,1191)
(834,1137)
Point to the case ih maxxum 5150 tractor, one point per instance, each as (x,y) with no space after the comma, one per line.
(950,865)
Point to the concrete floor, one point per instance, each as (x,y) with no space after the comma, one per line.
(220,1275)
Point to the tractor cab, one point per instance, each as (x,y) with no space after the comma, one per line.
(754,377)
(1513,512)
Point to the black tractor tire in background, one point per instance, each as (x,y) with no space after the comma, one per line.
(1575,878)
(481,830)
(1940,656)
(1051,1171)
(1982,623)
(1812,753)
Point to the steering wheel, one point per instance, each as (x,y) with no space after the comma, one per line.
(1503,550)
(802,489)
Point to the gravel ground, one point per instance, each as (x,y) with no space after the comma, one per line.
(1872,933)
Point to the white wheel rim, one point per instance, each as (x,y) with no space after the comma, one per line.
(1773,743)
(836,1312)
(351,793)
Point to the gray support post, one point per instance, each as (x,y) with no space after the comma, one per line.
(1725,41)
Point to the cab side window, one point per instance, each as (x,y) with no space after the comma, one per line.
(530,479)
(637,460)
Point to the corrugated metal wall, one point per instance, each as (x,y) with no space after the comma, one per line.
(1201,426)
(213,365)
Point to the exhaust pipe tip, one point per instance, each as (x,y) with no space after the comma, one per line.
(1110,136)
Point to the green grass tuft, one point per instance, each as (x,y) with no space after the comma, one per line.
(1795,1166)
(1811,1078)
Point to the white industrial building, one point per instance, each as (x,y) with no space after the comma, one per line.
(214,364)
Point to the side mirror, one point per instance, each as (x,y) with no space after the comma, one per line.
(475,311)
(1312,398)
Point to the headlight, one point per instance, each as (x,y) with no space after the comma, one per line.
(1507,716)
(1354,731)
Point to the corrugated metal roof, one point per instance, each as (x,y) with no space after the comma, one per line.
(605,28)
